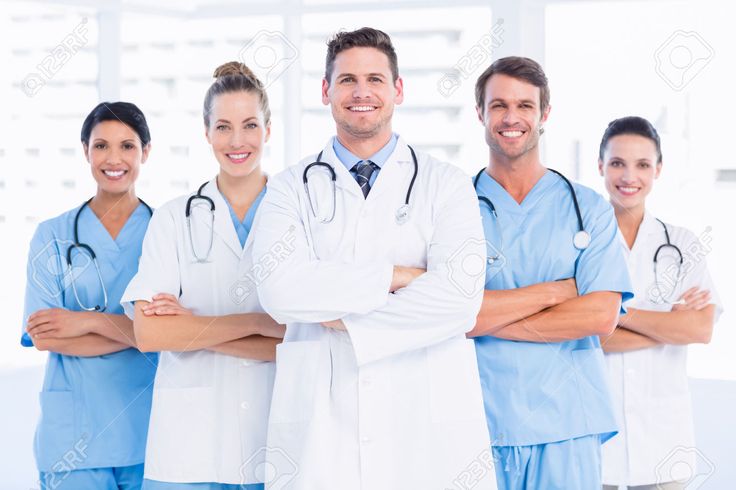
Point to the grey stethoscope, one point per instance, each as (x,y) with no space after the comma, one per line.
(188,215)
(580,240)
(93,256)
(402,213)
(667,244)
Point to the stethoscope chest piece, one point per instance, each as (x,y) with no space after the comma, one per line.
(402,214)
(581,240)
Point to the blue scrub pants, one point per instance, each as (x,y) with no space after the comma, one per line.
(160,485)
(121,478)
(574,464)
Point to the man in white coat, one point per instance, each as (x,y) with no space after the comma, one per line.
(377,386)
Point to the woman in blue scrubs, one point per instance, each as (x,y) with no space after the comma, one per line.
(96,395)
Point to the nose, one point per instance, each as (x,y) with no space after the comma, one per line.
(510,117)
(237,139)
(361,90)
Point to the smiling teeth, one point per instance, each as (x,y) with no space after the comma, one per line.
(629,190)
(362,108)
(511,134)
(239,156)
(113,173)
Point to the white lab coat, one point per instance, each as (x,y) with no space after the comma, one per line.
(395,402)
(209,413)
(650,386)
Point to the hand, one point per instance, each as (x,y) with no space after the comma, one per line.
(165,304)
(403,276)
(57,323)
(335,325)
(693,299)
(269,328)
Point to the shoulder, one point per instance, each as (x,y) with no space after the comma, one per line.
(58,226)
(590,201)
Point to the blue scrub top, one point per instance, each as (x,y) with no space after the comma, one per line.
(535,393)
(242,228)
(96,407)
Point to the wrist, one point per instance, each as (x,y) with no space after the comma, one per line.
(88,321)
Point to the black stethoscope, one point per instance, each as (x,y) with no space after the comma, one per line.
(667,244)
(93,256)
(188,215)
(402,213)
(581,239)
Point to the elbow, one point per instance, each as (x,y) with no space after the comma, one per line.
(705,334)
(605,324)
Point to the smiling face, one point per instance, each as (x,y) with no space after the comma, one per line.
(237,132)
(115,155)
(512,116)
(362,93)
(629,168)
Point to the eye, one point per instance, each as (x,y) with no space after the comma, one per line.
(347,80)
(644,165)
(527,106)
(100,146)
(221,127)
(128,146)
(376,79)
(251,125)
(616,163)
(496,106)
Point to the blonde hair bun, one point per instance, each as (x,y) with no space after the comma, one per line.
(234,68)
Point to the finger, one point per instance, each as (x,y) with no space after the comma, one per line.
(39,332)
(170,297)
(160,303)
(688,293)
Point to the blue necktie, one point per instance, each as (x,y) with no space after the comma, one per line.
(363,171)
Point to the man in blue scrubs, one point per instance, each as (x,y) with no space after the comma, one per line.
(550,291)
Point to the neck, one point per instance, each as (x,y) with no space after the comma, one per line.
(240,191)
(629,220)
(364,147)
(114,205)
(517,176)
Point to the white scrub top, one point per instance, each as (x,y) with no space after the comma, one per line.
(99,405)
(538,392)
(209,414)
(395,402)
(650,386)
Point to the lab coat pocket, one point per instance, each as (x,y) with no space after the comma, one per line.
(56,431)
(300,367)
(454,382)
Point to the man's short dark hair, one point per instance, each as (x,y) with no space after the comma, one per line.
(365,37)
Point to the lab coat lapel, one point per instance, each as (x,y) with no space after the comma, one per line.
(224,229)
(390,176)
(345,180)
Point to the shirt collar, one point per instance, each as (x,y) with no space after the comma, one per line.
(348,159)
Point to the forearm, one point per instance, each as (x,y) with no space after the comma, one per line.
(115,327)
(254,347)
(592,314)
(625,340)
(672,327)
(181,333)
(88,345)
(503,307)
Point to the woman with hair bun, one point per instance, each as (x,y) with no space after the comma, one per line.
(96,395)
(194,300)
(675,304)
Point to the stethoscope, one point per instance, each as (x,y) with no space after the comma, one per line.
(581,239)
(92,254)
(188,215)
(667,244)
(402,213)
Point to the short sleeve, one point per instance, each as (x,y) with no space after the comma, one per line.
(158,270)
(44,277)
(602,266)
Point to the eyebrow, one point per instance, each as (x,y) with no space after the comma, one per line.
(525,101)
(341,75)
(244,120)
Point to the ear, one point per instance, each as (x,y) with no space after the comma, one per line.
(479,112)
(146,151)
(268,132)
(658,170)
(399,86)
(325,89)
(600,167)
(85,149)
(545,115)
